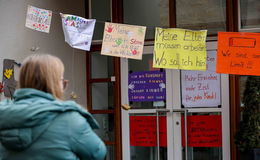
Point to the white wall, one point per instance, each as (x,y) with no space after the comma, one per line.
(16,40)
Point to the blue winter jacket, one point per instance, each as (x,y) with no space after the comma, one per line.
(36,126)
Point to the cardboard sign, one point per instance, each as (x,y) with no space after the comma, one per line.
(180,49)
(203,131)
(201,89)
(143,131)
(9,81)
(38,19)
(121,40)
(78,31)
(147,86)
(238,53)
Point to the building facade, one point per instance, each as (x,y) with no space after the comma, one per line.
(126,130)
(143,130)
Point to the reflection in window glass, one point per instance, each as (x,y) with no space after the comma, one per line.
(101,66)
(110,153)
(102,96)
(247,134)
(249,13)
(144,65)
(201,14)
(242,87)
(106,123)
(100,10)
(148,13)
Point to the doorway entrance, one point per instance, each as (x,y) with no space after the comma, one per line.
(174,114)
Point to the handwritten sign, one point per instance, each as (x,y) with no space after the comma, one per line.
(78,31)
(203,131)
(201,89)
(38,19)
(238,53)
(122,40)
(147,86)
(143,131)
(180,49)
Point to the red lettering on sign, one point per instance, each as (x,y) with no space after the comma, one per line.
(242,42)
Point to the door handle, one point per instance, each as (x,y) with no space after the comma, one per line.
(126,106)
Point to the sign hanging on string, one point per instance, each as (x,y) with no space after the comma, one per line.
(121,40)
(38,19)
(180,49)
(78,31)
(201,88)
(238,53)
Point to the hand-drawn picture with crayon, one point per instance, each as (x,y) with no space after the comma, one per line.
(176,48)
(78,31)
(38,19)
(122,40)
(238,53)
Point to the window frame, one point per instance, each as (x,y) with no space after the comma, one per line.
(240,22)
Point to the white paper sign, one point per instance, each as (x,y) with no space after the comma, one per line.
(199,88)
(78,31)
(38,19)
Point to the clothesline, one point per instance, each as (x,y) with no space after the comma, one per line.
(125,40)
(103,22)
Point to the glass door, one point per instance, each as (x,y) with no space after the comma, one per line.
(144,128)
(173,114)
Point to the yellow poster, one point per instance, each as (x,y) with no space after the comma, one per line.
(121,40)
(180,49)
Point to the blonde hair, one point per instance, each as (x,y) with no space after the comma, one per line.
(43,72)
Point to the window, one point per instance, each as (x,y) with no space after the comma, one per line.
(101,98)
(150,13)
(201,14)
(249,14)
(100,10)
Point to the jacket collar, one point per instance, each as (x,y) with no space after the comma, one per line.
(26,93)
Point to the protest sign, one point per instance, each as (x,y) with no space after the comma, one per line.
(9,81)
(38,19)
(143,131)
(147,86)
(78,31)
(180,49)
(121,40)
(238,53)
(201,88)
(203,131)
